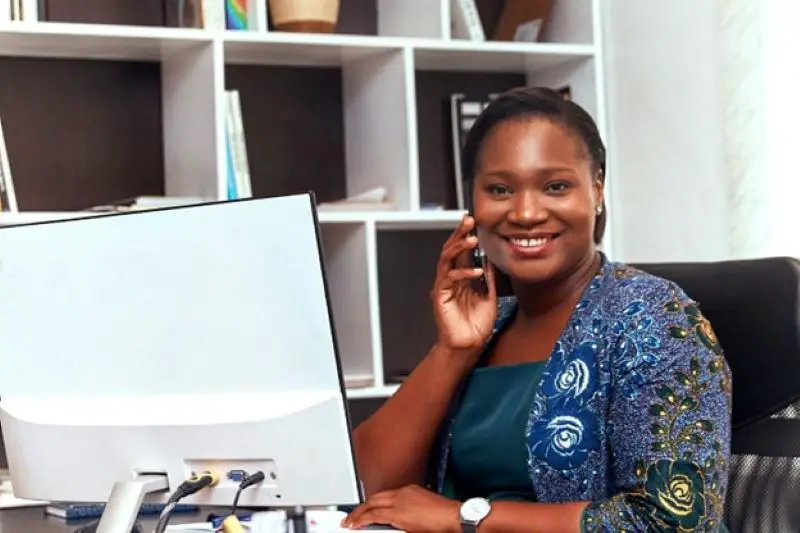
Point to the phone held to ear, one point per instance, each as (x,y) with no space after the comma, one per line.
(479,260)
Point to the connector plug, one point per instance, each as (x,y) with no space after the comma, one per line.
(231,524)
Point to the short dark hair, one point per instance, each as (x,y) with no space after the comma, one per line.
(532,102)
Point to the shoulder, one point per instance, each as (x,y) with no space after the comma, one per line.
(656,327)
(650,305)
(627,290)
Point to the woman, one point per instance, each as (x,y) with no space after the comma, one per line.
(596,398)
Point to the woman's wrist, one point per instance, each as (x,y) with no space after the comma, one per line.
(460,359)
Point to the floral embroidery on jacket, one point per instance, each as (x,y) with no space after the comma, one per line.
(565,440)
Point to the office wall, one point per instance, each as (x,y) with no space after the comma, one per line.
(667,166)
(761,81)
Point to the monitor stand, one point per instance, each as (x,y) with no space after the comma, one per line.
(125,501)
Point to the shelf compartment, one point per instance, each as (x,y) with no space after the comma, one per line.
(406,273)
(98,131)
(336,130)
(89,132)
(433,90)
(346,249)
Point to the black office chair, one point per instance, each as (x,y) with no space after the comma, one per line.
(754,307)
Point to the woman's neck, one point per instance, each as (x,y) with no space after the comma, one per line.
(557,296)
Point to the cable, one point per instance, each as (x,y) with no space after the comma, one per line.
(248,481)
(231,523)
(298,519)
(187,488)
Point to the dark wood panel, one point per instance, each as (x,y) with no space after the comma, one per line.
(136,12)
(489,11)
(362,408)
(433,118)
(81,133)
(406,272)
(358,17)
(293,122)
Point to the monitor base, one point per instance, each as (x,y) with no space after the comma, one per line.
(122,509)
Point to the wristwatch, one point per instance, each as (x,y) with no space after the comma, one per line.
(473,511)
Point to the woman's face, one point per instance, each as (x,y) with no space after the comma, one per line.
(534,200)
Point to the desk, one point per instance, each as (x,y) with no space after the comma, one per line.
(34,520)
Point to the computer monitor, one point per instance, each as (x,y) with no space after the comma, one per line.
(161,343)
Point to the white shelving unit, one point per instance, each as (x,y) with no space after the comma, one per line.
(379,103)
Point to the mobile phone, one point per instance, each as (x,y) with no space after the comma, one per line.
(479,260)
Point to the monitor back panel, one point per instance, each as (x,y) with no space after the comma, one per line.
(221,297)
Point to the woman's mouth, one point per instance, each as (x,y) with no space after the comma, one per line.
(533,247)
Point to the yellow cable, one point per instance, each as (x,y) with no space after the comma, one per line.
(232,525)
(208,478)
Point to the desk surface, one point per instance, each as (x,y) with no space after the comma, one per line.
(34,520)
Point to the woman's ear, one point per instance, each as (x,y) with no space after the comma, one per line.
(599,187)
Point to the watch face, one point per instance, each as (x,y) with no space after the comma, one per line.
(475,509)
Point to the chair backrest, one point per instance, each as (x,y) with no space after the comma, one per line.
(754,308)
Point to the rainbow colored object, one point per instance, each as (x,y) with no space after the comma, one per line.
(236,14)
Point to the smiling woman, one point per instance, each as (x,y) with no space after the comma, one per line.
(596,398)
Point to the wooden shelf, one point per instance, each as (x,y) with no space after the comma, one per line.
(397,220)
(383,219)
(372,392)
(496,56)
(97,41)
(273,48)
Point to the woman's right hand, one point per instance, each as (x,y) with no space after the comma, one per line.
(464,316)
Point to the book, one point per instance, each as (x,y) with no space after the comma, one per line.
(466,21)
(8,198)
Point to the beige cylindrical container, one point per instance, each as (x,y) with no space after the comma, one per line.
(313,16)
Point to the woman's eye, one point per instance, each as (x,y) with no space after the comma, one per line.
(557,186)
(498,190)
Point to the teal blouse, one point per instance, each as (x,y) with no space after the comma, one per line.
(489,454)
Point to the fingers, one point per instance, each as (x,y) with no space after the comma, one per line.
(453,250)
(490,280)
(458,253)
(376,503)
(377,515)
(462,274)
(464,227)
(457,238)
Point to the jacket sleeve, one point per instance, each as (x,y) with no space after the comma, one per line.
(669,420)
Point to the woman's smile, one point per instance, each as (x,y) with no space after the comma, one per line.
(534,246)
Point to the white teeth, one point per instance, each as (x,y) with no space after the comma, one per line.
(530,243)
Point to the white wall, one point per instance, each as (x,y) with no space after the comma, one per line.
(761,83)
(666,157)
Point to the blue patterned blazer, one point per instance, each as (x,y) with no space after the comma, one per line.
(633,411)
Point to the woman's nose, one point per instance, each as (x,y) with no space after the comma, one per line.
(527,210)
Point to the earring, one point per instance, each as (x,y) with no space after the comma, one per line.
(598,209)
